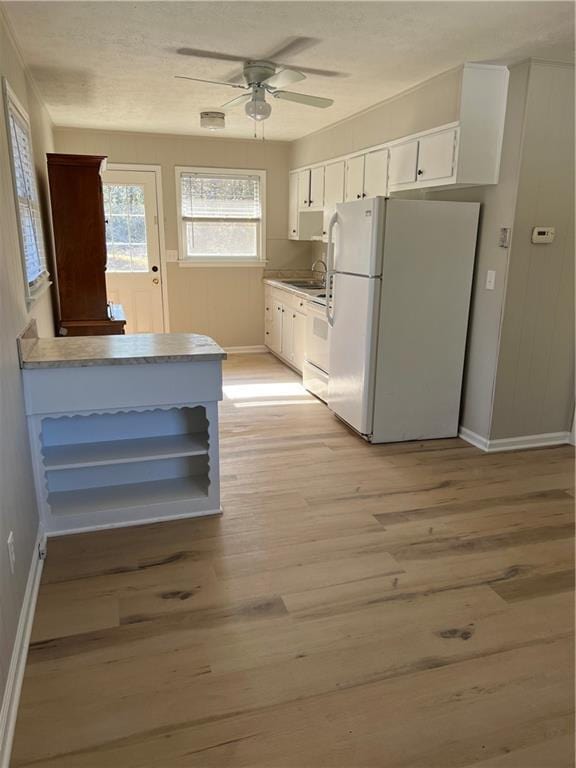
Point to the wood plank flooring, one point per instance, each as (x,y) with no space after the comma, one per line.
(397,606)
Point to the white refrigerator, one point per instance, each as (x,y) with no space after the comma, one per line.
(399,285)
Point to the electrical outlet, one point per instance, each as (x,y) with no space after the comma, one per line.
(11,552)
(490,279)
(504,237)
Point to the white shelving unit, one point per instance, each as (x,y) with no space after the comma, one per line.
(127,452)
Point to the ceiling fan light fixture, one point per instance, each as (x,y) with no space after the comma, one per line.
(258,110)
(213,120)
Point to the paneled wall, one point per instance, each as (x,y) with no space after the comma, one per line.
(18,511)
(226,303)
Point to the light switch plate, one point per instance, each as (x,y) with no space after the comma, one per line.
(504,237)
(490,279)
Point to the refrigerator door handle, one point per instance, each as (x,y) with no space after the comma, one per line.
(330,268)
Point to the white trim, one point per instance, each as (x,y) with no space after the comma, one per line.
(257,349)
(11,696)
(230,263)
(130,524)
(261,173)
(498,445)
(157,170)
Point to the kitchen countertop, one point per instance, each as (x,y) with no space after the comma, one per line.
(310,294)
(132,349)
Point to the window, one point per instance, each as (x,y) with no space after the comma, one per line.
(125,216)
(26,194)
(221,215)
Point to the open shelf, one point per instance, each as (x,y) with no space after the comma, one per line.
(124,451)
(129,495)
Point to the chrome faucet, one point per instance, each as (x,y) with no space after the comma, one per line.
(321,261)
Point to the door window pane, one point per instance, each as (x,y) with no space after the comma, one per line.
(126,243)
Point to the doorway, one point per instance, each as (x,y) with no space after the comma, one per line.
(134,274)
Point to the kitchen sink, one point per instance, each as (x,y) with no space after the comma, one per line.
(313,285)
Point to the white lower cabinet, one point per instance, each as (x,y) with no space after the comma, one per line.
(285,325)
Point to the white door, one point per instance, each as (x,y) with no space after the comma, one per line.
(333,190)
(304,190)
(293,206)
(376,173)
(358,248)
(316,201)
(133,269)
(436,156)
(353,337)
(354,178)
(403,162)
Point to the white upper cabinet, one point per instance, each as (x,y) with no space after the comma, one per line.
(436,156)
(376,173)
(333,190)
(304,189)
(403,163)
(293,206)
(355,178)
(316,197)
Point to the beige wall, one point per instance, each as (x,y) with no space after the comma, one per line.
(17,500)
(428,105)
(534,391)
(225,303)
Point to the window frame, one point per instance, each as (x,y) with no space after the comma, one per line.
(220,261)
(33,290)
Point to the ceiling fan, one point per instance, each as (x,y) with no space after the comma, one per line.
(265,76)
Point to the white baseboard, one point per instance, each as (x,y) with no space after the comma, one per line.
(11,697)
(514,443)
(255,350)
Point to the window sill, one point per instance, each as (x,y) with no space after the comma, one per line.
(38,292)
(258,264)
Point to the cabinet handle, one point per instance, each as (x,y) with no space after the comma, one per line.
(293,231)
(294,317)
(358,197)
(420,171)
(267,333)
(323,231)
(363,194)
(310,202)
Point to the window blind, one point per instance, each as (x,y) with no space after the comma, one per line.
(34,257)
(220,197)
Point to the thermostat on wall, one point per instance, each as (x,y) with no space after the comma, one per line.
(543,234)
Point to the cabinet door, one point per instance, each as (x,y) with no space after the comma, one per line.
(436,156)
(333,190)
(316,201)
(298,339)
(376,173)
(354,178)
(287,334)
(275,337)
(304,190)
(403,160)
(293,206)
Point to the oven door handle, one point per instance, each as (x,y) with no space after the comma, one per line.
(330,268)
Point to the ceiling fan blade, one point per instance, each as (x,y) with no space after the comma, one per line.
(283,78)
(319,72)
(304,98)
(237,101)
(201,54)
(292,46)
(212,82)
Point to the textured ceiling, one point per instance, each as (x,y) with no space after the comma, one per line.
(111,65)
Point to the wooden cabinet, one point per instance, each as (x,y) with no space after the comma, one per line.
(403,163)
(333,191)
(80,245)
(436,156)
(355,178)
(376,173)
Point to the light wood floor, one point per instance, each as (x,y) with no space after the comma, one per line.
(390,606)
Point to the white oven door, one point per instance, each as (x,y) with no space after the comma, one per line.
(317,337)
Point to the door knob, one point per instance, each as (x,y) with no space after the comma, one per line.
(155,281)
